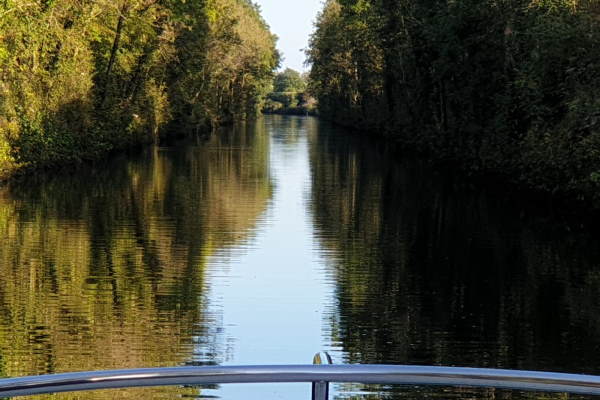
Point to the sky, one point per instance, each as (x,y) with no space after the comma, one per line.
(292,21)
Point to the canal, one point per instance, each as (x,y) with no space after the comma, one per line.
(272,240)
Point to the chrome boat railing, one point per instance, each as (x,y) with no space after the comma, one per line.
(319,375)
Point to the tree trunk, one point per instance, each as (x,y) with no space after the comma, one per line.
(113,52)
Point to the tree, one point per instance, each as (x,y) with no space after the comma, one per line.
(289,81)
(508,86)
(80,78)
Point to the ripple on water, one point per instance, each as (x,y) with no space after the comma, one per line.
(273,240)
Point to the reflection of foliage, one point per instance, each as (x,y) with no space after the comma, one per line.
(410,392)
(106,269)
(428,272)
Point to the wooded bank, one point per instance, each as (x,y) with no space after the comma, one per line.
(509,87)
(79,78)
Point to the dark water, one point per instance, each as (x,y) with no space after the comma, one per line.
(271,241)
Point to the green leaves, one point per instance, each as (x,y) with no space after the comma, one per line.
(289,81)
(508,86)
(107,74)
(4,55)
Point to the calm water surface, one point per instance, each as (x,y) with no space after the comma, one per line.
(273,240)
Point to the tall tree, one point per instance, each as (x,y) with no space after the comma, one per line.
(503,86)
(79,78)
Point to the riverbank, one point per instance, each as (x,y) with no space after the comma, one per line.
(298,111)
(81,80)
(571,207)
(509,91)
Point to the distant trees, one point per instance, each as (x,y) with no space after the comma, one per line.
(290,94)
(78,78)
(289,81)
(509,87)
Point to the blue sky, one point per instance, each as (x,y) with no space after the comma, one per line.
(292,21)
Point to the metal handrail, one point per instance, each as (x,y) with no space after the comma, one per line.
(367,374)
(320,389)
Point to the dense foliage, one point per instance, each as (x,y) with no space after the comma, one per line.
(290,94)
(80,77)
(506,86)
(289,81)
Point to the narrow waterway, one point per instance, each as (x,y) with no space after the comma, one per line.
(273,240)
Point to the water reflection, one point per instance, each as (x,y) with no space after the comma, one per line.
(429,271)
(106,268)
(273,240)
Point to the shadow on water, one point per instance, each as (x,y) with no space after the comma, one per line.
(105,268)
(430,271)
(121,265)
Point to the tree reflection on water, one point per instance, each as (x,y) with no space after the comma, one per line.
(106,268)
(431,271)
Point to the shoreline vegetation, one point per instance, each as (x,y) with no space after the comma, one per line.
(506,89)
(290,95)
(81,79)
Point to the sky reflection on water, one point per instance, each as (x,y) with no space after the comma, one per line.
(271,241)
